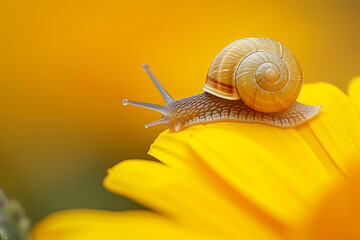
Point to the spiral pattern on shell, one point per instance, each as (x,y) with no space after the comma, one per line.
(259,71)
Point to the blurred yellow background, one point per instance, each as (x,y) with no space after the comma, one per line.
(66,65)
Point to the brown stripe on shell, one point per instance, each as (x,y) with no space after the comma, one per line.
(220,85)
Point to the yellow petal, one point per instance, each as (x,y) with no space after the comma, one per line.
(185,197)
(336,129)
(270,167)
(354,90)
(337,216)
(97,224)
(274,168)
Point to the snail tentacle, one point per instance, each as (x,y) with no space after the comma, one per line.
(159,108)
(160,121)
(164,109)
(166,96)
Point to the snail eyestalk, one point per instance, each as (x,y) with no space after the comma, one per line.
(159,108)
(167,98)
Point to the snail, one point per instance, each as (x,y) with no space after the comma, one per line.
(253,79)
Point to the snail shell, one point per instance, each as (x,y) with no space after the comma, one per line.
(250,80)
(260,71)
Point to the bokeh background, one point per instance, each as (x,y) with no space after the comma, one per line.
(66,65)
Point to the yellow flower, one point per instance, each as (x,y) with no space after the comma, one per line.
(237,181)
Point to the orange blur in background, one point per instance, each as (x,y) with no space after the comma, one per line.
(65,67)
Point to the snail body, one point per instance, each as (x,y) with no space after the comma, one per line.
(250,80)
